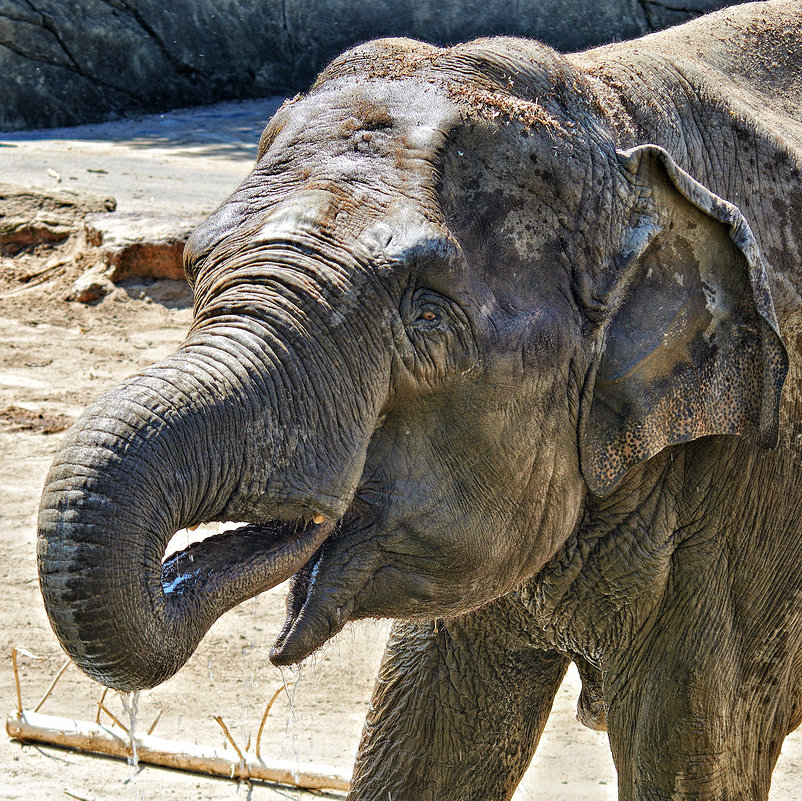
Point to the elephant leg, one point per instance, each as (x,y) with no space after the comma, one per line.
(699,706)
(458,709)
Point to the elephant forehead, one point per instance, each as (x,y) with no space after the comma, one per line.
(304,212)
(364,117)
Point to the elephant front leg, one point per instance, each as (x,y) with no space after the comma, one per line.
(699,706)
(684,735)
(458,710)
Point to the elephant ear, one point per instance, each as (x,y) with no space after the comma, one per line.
(690,345)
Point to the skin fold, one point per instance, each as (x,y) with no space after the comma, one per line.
(502,344)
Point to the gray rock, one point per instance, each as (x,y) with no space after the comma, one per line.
(664,13)
(64,63)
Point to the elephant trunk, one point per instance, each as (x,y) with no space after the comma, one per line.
(144,461)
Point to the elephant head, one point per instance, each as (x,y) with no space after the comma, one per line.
(441,311)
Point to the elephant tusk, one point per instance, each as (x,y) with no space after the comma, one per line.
(192,528)
(318,519)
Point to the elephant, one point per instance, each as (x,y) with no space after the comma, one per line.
(502,344)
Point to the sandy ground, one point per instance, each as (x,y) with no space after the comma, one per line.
(54,358)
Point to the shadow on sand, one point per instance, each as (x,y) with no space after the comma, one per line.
(230,130)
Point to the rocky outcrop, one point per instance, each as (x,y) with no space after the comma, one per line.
(138,245)
(53,234)
(29,217)
(65,63)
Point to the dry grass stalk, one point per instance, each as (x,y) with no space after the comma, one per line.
(227,733)
(100,706)
(16,680)
(117,721)
(155,721)
(52,685)
(270,703)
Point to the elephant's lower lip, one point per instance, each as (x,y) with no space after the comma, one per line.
(320,603)
(282,548)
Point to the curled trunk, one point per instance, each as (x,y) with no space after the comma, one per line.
(145,460)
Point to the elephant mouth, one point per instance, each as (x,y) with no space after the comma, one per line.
(274,551)
(263,556)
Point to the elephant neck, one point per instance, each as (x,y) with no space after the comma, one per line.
(576,597)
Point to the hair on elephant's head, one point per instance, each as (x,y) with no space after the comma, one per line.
(440,312)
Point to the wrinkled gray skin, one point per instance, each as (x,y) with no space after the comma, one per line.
(509,326)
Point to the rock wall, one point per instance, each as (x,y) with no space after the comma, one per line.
(66,62)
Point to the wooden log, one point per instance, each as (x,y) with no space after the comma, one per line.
(96,738)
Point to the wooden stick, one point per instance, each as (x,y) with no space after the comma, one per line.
(113,741)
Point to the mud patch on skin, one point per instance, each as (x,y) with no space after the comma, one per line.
(16,418)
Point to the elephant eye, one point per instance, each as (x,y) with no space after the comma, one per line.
(430,317)
(425,311)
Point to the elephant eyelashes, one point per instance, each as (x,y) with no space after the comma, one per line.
(190,272)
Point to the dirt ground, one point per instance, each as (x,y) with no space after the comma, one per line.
(55,356)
